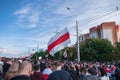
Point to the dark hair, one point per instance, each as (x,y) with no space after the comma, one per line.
(49,65)
(103,72)
(83,69)
(57,63)
(92,71)
(36,67)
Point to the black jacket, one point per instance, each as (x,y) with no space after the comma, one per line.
(60,75)
(21,77)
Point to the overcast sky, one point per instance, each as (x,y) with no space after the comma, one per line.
(25,24)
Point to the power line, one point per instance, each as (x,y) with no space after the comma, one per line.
(97,17)
(100,20)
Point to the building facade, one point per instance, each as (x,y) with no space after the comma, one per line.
(106,30)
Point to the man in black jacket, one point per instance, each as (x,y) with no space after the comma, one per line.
(59,74)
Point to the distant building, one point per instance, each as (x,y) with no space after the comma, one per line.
(118,33)
(106,30)
(84,36)
(93,32)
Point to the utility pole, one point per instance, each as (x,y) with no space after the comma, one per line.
(78,43)
(37,47)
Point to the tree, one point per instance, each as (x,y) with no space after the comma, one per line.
(91,50)
(39,53)
(71,54)
(116,54)
(96,49)
(118,46)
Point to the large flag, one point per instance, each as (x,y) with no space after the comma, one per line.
(29,56)
(59,41)
(65,54)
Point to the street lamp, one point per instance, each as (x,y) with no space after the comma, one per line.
(78,44)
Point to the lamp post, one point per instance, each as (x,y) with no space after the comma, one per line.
(37,47)
(78,42)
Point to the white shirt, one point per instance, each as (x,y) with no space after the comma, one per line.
(47,71)
(104,78)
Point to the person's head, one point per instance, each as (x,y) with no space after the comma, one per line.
(90,65)
(58,65)
(67,67)
(49,65)
(103,72)
(36,68)
(25,68)
(83,70)
(12,71)
(14,67)
(92,71)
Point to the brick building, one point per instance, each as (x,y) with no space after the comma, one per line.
(106,30)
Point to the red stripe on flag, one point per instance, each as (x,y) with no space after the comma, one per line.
(58,41)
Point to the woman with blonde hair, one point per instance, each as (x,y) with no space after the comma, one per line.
(12,70)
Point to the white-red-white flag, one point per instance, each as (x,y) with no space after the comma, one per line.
(29,56)
(65,54)
(59,41)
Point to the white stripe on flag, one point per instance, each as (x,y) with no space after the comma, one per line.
(54,38)
(59,41)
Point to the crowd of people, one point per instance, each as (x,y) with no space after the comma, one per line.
(19,69)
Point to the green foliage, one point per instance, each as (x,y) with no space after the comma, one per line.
(38,54)
(71,54)
(118,46)
(96,49)
(116,54)
(90,50)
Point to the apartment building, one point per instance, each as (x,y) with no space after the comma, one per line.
(106,30)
